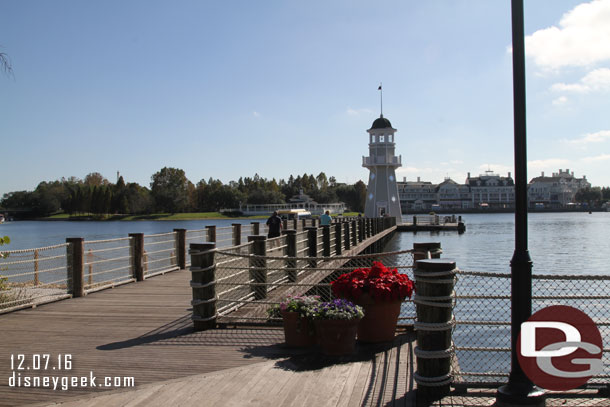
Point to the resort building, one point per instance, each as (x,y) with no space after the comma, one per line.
(557,191)
(300,201)
(489,191)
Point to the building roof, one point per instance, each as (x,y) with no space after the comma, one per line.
(381,123)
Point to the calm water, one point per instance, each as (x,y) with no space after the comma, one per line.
(559,243)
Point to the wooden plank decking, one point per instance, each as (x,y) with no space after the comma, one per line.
(143,330)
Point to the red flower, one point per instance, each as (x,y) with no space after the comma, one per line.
(381,283)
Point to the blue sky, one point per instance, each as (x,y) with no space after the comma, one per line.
(226,89)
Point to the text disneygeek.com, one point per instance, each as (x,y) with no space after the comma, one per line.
(28,371)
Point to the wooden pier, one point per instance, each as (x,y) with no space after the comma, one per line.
(433,223)
(144,331)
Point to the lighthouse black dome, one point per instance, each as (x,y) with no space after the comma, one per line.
(381,123)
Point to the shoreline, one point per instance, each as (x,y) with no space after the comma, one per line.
(190,216)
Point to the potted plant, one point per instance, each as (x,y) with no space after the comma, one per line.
(380,291)
(336,325)
(298,330)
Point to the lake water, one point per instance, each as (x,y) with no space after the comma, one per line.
(559,243)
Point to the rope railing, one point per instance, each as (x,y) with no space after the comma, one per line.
(33,276)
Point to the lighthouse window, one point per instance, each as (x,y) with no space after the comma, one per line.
(389,138)
(373,138)
(381,138)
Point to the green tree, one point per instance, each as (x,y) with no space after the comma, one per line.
(590,196)
(170,188)
(96,179)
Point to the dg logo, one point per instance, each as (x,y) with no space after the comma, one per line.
(560,348)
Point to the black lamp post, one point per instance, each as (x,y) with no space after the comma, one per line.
(519,390)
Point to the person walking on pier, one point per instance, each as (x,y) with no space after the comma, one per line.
(325,219)
(274,223)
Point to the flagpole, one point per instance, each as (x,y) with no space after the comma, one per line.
(381,97)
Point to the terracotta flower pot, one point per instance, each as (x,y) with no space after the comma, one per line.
(298,331)
(337,336)
(379,322)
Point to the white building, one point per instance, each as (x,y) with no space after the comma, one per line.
(491,190)
(382,197)
(556,191)
(417,195)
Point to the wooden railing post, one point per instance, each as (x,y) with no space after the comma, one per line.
(434,281)
(347,236)
(354,233)
(256,228)
(326,240)
(312,245)
(75,251)
(137,255)
(203,284)
(211,229)
(181,247)
(295,223)
(361,230)
(338,241)
(304,223)
(36,278)
(284,224)
(421,250)
(291,253)
(236,234)
(258,267)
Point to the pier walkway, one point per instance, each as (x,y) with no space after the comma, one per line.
(144,331)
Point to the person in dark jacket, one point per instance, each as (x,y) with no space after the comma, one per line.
(275,225)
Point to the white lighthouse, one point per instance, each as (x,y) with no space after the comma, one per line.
(382,191)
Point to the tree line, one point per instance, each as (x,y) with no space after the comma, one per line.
(171,192)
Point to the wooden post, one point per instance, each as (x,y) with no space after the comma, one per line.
(338,241)
(211,229)
(434,281)
(295,223)
(258,267)
(326,240)
(347,236)
(236,234)
(421,250)
(90,267)
(256,228)
(284,224)
(75,265)
(361,229)
(203,284)
(181,247)
(291,254)
(36,279)
(137,255)
(312,245)
(354,233)
(304,223)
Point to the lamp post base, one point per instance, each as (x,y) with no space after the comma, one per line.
(512,395)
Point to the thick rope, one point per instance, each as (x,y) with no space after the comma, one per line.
(201,285)
(434,354)
(202,269)
(433,381)
(434,326)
